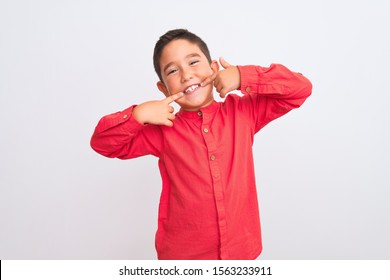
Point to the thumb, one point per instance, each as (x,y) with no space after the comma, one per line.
(224,63)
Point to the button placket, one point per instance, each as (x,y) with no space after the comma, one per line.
(214,164)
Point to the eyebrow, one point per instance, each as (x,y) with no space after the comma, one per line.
(188,56)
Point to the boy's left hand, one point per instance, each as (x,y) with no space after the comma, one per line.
(226,80)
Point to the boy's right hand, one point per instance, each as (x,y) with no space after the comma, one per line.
(158,112)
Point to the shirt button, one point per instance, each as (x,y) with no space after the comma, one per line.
(200,114)
(247,89)
(125,116)
(205,130)
(212,157)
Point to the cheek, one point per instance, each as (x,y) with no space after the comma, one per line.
(171,86)
(210,88)
(208,73)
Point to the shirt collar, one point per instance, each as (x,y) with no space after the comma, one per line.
(196,114)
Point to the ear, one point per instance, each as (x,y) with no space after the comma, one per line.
(161,87)
(214,66)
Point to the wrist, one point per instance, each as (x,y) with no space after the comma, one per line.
(137,114)
(238,75)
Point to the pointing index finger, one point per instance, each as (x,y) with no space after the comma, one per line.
(208,80)
(174,97)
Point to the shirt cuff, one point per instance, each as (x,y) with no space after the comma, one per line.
(131,123)
(249,79)
(258,80)
(122,120)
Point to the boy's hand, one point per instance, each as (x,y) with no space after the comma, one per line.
(226,80)
(157,112)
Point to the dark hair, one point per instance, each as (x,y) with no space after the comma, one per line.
(175,35)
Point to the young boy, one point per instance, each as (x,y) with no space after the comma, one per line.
(208,207)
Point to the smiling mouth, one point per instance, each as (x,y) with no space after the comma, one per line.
(191,89)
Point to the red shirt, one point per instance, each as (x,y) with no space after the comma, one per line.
(208,207)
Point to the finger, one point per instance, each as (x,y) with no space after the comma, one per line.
(223,93)
(173,97)
(224,63)
(171,109)
(219,88)
(208,80)
(168,123)
(171,117)
(217,83)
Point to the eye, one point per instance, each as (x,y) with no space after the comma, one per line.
(172,71)
(194,62)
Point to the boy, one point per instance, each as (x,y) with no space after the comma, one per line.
(208,206)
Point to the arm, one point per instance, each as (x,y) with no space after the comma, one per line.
(120,135)
(135,131)
(269,92)
(276,82)
(273,91)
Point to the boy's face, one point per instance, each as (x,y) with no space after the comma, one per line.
(183,68)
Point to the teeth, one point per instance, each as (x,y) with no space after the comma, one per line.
(191,88)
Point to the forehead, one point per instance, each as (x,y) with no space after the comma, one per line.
(178,50)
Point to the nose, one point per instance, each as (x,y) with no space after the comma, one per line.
(186,75)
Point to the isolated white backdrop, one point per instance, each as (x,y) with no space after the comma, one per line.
(322,170)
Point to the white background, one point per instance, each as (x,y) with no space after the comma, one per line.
(322,170)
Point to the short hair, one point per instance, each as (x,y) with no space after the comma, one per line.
(172,35)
